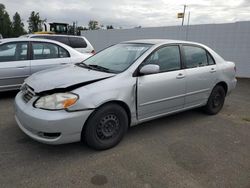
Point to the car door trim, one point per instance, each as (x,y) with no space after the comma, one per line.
(175,97)
(14,77)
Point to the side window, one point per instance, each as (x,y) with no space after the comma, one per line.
(168,58)
(14,51)
(62,39)
(63,53)
(39,37)
(210,59)
(195,56)
(42,50)
(77,42)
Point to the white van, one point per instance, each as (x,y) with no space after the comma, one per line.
(79,43)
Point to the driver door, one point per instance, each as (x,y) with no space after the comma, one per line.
(163,92)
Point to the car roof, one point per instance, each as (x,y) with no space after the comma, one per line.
(30,35)
(159,41)
(26,39)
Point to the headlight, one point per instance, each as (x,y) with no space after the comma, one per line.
(57,101)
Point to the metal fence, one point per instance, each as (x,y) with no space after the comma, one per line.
(231,40)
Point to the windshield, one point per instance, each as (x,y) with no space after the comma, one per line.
(117,58)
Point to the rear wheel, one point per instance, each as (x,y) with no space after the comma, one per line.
(106,127)
(216,100)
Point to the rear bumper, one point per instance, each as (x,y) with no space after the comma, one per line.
(61,126)
(231,86)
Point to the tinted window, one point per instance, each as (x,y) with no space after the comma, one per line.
(168,58)
(77,42)
(210,59)
(39,37)
(62,39)
(14,51)
(63,53)
(195,56)
(44,50)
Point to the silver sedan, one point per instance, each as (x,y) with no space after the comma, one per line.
(21,57)
(121,86)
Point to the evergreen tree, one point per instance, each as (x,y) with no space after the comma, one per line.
(5,22)
(17,26)
(35,22)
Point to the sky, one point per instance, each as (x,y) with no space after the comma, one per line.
(131,13)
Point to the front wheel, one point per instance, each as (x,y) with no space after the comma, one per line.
(216,100)
(106,127)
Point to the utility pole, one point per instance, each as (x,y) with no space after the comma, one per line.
(183,14)
(188,25)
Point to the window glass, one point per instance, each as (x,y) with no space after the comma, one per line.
(14,51)
(195,56)
(168,58)
(63,53)
(119,57)
(44,50)
(210,59)
(62,39)
(39,37)
(77,42)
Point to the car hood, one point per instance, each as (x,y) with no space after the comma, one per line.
(64,77)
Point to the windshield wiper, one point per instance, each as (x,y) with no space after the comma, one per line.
(95,67)
(98,67)
(83,65)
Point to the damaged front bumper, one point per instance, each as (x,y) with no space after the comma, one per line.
(50,127)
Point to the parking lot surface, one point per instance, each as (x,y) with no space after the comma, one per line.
(189,149)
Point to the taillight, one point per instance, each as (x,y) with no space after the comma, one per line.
(93,52)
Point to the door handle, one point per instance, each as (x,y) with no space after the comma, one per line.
(180,76)
(63,63)
(21,67)
(212,70)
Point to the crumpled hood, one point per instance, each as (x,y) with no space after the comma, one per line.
(63,77)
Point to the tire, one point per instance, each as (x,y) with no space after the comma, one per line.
(106,127)
(215,101)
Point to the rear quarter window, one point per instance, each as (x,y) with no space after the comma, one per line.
(77,42)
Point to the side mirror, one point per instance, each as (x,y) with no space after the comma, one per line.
(150,69)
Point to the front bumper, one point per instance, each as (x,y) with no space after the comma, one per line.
(50,127)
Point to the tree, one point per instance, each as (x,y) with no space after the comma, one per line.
(5,22)
(17,26)
(93,25)
(110,27)
(35,22)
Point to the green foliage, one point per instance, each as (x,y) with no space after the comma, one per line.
(5,22)
(35,22)
(17,26)
(109,27)
(93,25)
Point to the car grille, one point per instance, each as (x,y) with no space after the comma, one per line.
(28,93)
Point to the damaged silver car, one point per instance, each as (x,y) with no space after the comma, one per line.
(121,86)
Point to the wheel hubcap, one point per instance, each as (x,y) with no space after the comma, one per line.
(217,100)
(108,127)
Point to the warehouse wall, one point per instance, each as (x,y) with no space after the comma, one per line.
(231,40)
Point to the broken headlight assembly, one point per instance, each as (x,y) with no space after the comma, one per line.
(56,101)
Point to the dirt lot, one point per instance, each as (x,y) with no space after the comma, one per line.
(190,149)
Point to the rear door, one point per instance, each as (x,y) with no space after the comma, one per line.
(14,64)
(201,75)
(47,55)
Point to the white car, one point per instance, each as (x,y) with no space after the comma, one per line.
(21,57)
(79,43)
